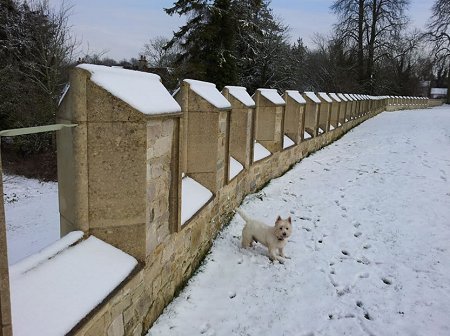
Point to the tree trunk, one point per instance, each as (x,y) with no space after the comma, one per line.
(371,45)
(448,85)
(360,41)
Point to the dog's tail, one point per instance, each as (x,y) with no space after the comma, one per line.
(242,214)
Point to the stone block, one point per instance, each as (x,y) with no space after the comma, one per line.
(130,239)
(120,201)
(116,327)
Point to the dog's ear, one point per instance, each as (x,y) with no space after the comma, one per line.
(289,220)
(278,219)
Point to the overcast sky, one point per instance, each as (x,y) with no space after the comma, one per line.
(121,28)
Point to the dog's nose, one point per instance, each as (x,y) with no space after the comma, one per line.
(284,234)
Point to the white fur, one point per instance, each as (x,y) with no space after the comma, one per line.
(273,237)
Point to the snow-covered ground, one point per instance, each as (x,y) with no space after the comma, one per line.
(370,251)
(32,215)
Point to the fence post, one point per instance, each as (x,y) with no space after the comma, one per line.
(5,303)
(294,115)
(241,129)
(312,111)
(269,119)
(114,169)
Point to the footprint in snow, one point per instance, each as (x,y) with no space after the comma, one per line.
(357,234)
(363,260)
(386,281)
(231,295)
(204,328)
(311,333)
(367,316)
(343,291)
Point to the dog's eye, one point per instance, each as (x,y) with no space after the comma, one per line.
(281,228)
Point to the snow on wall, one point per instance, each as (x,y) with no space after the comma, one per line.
(241,94)
(46,253)
(272,95)
(193,197)
(141,90)
(287,142)
(209,92)
(312,96)
(306,135)
(335,97)
(53,297)
(259,152)
(296,96)
(63,93)
(349,98)
(343,98)
(325,97)
(235,167)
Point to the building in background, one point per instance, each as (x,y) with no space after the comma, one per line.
(438,93)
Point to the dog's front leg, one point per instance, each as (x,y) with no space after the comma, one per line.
(281,252)
(273,256)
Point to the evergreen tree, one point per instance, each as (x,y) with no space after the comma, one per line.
(262,49)
(207,41)
(231,42)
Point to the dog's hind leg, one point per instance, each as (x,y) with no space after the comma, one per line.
(247,239)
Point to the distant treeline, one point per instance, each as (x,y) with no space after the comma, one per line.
(371,50)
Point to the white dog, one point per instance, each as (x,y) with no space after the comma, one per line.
(273,237)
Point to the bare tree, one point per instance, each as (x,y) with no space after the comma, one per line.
(369,25)
(351,14)
(36,52)
(159,53)
(51,49)
(439,35)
